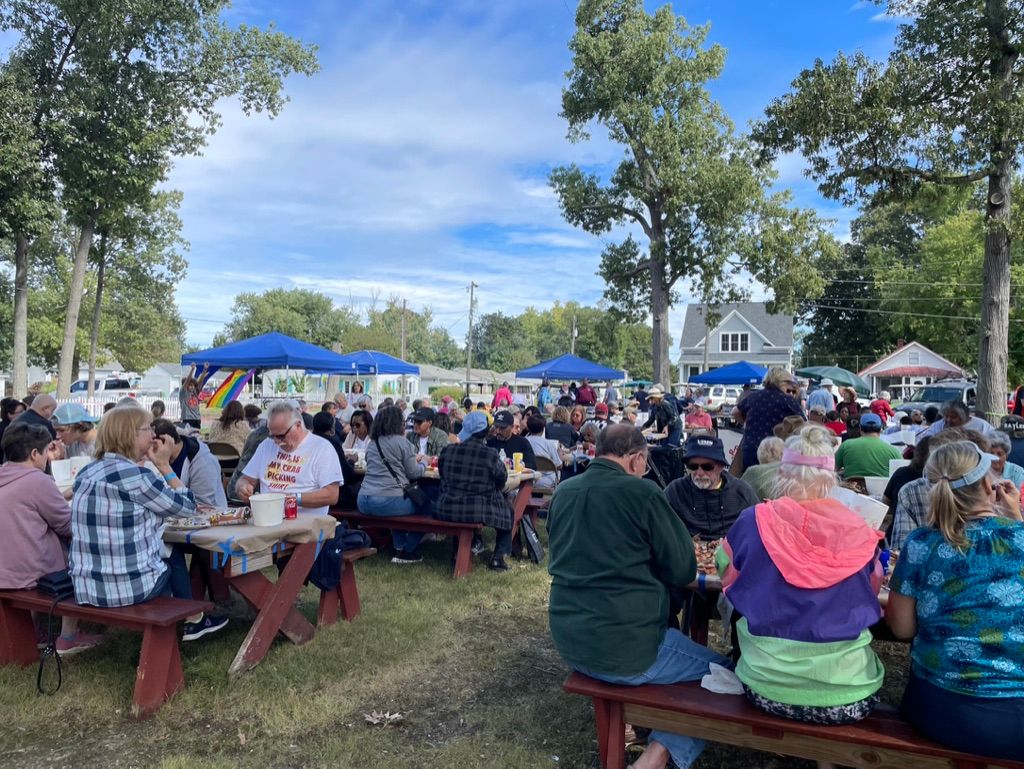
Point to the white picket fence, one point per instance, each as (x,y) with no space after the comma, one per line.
(95,404)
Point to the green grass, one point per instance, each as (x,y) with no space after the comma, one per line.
(469,664)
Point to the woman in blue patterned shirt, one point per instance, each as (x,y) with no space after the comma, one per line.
(957,590)
(117,520)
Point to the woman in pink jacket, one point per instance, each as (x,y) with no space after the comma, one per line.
(35,522)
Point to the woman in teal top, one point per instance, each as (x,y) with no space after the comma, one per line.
(958,591)
(1000,446)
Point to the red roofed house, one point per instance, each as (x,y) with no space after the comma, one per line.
(912,365)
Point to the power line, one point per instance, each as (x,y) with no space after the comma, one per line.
(897,312)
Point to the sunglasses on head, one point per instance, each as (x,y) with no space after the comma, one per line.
(707,467)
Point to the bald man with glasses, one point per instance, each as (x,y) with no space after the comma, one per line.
(294,461)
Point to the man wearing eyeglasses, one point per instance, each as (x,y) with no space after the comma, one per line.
(707,500)
(294,461)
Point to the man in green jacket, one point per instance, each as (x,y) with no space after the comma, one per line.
(616,547)
(426,438)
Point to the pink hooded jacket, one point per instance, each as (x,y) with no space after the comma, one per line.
(34,517)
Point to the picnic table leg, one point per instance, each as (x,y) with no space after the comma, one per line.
(700,618)
(348,592)
(611,733)
(327,612)
(159,676)
(464,553)
(522,500)
(17,636)
(275,604)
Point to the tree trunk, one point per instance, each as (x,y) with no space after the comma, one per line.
(97,311)
(19,368)
(65,375)
(995,303)
(659,321)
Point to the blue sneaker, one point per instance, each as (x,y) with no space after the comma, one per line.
(210,623)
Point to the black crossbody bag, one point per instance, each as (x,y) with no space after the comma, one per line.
(410,491)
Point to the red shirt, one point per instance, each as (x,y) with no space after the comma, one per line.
(882,408)
(837,427)
(585,396)
(702,420)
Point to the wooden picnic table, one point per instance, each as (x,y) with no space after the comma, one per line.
(241,552)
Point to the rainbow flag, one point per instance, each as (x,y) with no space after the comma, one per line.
(230,389)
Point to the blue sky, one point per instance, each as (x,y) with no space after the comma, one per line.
(417,159)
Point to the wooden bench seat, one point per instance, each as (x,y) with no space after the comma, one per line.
(159,675)
(346,596)
(463,532)
(881,741)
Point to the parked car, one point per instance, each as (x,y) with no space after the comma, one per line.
(719,402)
(937,393)
(111,386)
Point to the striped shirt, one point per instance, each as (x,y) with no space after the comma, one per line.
(117,521)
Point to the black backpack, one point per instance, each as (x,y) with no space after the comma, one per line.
(326,571)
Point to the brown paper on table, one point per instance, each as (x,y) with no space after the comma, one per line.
(255,539)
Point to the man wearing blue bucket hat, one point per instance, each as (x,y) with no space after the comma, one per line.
(76,429)
(472,481)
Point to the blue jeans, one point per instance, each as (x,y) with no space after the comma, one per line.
(675,437)
(373,504)
(679,659)
(175,580)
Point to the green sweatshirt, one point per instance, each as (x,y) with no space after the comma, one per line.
(615,548)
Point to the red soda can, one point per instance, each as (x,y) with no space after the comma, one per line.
(291,507)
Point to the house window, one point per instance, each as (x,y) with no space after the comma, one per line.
(694,371)
(913,358)
(734,342)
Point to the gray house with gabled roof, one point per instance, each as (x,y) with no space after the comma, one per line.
(744,331)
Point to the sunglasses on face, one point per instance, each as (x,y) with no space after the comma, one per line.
(707,467)
(282,436)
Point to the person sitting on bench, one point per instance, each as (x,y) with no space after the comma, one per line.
(803,570)
(117,518)
(956,590)
(616,548)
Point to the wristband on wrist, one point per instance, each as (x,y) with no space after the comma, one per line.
(170,476)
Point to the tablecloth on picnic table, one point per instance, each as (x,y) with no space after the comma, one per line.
(255,539)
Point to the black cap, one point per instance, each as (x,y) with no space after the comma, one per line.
(423,415)
(705,447)
(504,419)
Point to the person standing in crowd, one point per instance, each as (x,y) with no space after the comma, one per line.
(611,393)
(761,411)
(473,480)
(823,396)
(1017,409)
(623,590)
(76,429)
(231,427)
(956,591)
(882,407)
(565,398)
(640,396)
(10,408)
(803,571)
(663,416)
(188,396)
(868,455)
(585,395)
(544,396)
(708,500)
(503,397)
(848,400)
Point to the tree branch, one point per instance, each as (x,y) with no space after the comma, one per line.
(623,211)
(881,170)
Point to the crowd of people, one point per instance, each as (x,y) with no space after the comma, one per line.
(801,572)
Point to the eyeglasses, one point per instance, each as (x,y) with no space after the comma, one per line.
(147,429)
(640,454)
(707,467)
(282,436)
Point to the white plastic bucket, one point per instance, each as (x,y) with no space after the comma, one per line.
(876,485)
(267,509)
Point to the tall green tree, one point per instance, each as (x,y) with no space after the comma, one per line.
(499,343)
(946,108)
(128,85)
(687,183)
(300,313)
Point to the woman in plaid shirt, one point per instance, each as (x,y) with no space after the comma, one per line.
(117,520)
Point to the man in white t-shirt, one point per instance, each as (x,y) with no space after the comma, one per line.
(295,461)
(544,447)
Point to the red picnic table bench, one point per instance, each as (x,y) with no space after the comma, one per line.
(159,675)
(881,741)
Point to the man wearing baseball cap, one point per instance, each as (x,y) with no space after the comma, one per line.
(707,500)
(600,420)
(868,455)
(424,437)
(502,439)
(76,429)
(822,396)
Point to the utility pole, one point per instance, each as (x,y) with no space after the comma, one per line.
(403,346)
(572,338)
(469,336)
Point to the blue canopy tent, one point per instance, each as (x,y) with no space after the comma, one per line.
(734,374)
(570,367)
(373,362)
(270,351)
